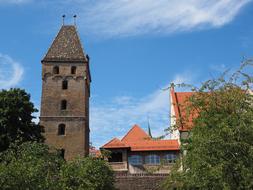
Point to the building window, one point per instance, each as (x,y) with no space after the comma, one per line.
(61,129)
(64,84)
(135,160)
(170,158)
(115,157)
(62,153)
(63,104)
(152,159)
(73,70)
(56,70)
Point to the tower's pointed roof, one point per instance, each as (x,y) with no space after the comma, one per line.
(66,46)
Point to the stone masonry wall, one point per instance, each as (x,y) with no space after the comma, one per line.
(138,182)
(75,141)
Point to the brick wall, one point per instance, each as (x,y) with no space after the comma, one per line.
(139,182)
(75,141)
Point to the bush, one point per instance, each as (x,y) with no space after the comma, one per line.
(29,166)
(33,165)
(86,173)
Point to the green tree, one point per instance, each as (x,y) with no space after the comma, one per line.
(16,118)
(86,173)
(30,166)
(33,166)
(219,151)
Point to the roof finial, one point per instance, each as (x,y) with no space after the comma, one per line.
(75,19)
(63,19)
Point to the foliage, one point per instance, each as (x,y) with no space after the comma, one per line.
(105,154)
(33,166)
(219,151)
(29,166)
(16,118)
(86,173)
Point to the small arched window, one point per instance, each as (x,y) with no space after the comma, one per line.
(64,84)
(152,159)
(170,158)
(135,160)
(61,129)
(56,70)
(73,70)
(63,104)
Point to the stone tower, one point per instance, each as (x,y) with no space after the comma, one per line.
(65,94)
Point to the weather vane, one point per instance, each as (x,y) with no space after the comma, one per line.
(63,19)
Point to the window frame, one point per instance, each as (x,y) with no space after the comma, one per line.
(135,160)
(73,70)
(64,105)
(65,85)
(61,129)
(152,159)
(56,70)
(170,158)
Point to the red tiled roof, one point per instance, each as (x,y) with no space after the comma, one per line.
(115,143)
(138,140)
(180,103)
(135,134)
(153,145)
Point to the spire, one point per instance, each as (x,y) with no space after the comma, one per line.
(149,129)
(66,46)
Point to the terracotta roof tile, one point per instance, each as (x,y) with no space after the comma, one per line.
(135,134)
(115,143)
(180,103)
(138,140)
(154,145)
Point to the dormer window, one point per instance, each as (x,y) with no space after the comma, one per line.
(73,70)
(56,70)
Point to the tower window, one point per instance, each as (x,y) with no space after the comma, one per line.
(64,84)
(61,129)
(73,70)
(56,70)
(62,153)
(63,104)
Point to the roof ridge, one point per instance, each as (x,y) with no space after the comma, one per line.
(115,138)
(133,127)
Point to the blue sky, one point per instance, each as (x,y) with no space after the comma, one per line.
(137,47)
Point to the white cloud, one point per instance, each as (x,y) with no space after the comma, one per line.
(135,17)
(11,72)
(116,117)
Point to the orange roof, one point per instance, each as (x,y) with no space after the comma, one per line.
(115,143)
(180,103)
(138,140)
(153,145)
(135,134)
